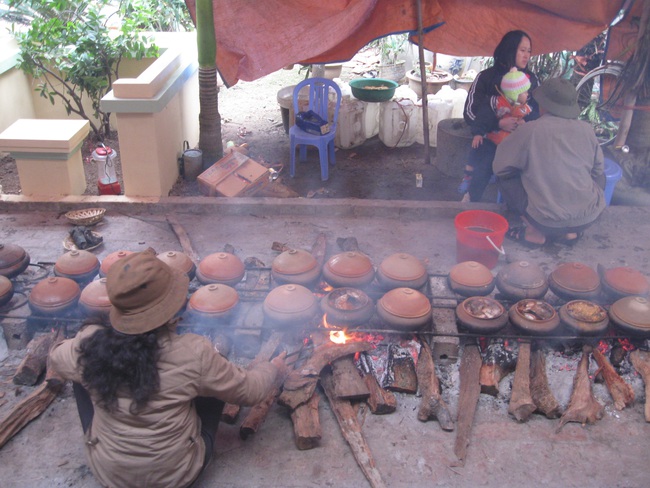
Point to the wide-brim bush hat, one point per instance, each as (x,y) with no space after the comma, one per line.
(144,292)
(559,97)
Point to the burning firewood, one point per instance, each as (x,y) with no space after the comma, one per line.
(470,389)
(348,383)
(432,404)
(400,370)
(498,362)
(543,398)
(35,360)
(306,423)
(183,238)
(641,362)
(583,406)
(621,392)
(380,401)
(521,403)
(351,430)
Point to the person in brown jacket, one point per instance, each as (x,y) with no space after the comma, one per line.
(150,399)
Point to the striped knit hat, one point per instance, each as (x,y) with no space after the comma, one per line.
(513,83)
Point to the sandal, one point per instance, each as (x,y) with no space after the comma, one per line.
(570,242)
(518,234)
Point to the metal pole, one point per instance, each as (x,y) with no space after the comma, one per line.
(423,79)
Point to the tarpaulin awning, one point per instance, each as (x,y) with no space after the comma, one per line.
(255,38)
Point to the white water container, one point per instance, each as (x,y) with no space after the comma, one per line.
(371,119)
(457,97)
(349,132)
(438,110)
(395,128)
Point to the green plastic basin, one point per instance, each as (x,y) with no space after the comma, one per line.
(373,89)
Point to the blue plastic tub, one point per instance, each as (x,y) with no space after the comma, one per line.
(613,173)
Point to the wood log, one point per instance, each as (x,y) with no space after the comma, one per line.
(641,362)
(319,249)
(541,393)
(231,411)
(498,362)
(380,401)
(348,383)
(301,383)
(351,430)
(35,360)
(621,392)
(583,406)
(307,431)
(431,405)
(521,402)
(183,238)
(400,371)
(469,391)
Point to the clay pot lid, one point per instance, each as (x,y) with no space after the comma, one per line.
(626,280)
(214,298)
(109,260)
(221,266)
(632,311)
(178,260)
(290,299)
(522,274)
(6,286)
(406,303)
(403,267)
(294,262)
(76,262)
(10,255)
(471,273)
(350,264)
(576,277)
(54,292)
(535,316)
(95,295)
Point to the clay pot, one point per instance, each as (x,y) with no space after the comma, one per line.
(481,314)
(574,281)
(347,307)
(220,267)
(295,266)
(471,278)
(13,260)
(214,301)
(522,279)
(401,270)
(623,281)
(54,295)
(78,265)
(533,316)
(584,317)
(404,309)
(349,269)
(291,305)
(632,315)
(109,260)
(94,299)
(180,261)
(6,290)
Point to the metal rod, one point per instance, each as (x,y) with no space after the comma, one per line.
(423,80)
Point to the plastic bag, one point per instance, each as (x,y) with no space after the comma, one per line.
(312,123)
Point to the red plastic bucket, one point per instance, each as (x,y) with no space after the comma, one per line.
(479,236)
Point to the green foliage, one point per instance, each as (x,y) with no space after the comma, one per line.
(390,47)
(552,65)
(71,53)
(156,15)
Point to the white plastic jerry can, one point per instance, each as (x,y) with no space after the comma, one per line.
(349,132)
(395,127)
(371,119)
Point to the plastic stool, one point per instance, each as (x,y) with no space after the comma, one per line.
(613,173)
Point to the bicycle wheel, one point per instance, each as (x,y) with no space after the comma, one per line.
(595,91)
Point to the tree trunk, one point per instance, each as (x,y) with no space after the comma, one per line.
(209,119)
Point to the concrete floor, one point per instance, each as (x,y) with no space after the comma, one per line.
(612,453)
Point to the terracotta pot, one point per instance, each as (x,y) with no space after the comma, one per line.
(401,270)
(482,315)
(295,266)
(13,260)
(471,278)
(584,317)
(220,267)
(54,295)
(94,299)
(78,265)
(632,315)
(574,281)
(214,301)
(180,261)
(533,316)
(291,305)
(404,309)
(522,279)
(109,260)
(347,307)
(6,290)
(623,281)
(349,269)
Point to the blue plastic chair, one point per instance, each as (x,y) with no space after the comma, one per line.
(319,89)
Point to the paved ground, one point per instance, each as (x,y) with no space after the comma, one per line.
(612,453)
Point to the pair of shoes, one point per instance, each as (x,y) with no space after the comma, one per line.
(570,242)
(464,184)
(518,234)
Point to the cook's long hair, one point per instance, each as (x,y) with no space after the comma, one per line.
(505,54)
(113,362)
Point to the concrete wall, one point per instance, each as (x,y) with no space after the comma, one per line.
(16,94)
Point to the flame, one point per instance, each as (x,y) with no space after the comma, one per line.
(338,336)
(626,345)
(603,346)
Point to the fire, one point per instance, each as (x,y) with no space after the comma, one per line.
(626,345)
(338,336)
